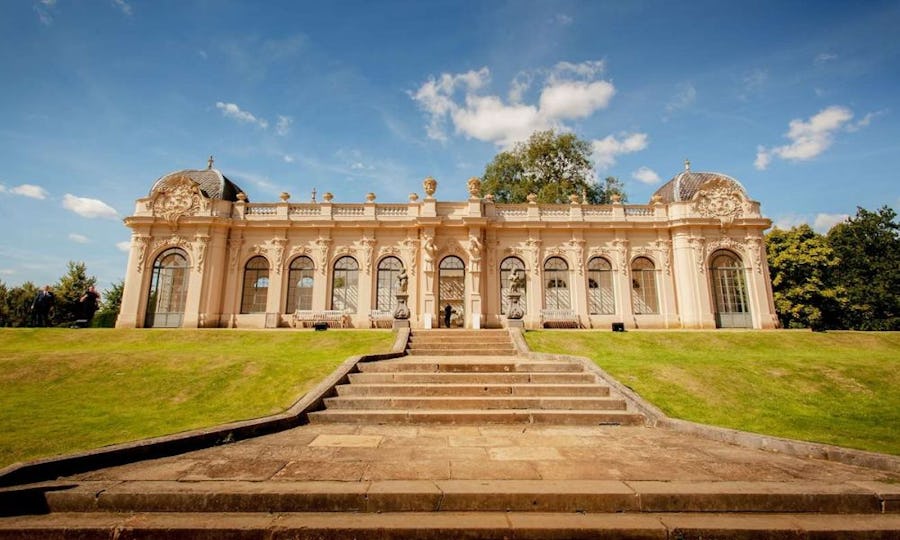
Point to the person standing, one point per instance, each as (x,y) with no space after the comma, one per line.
(88,303)
(40,308)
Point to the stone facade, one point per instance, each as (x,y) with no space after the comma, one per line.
(203,255)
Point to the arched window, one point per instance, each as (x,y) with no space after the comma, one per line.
(643,286)
(556,284)
(388,270)
(301,279)
(256,285)
(730,291)
(168,290)
(600,292)
(345,285)
(506,268)
(451,292)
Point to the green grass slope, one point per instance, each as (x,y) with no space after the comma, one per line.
(839,388)
(67,390)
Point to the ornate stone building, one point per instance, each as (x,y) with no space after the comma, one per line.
(203,255)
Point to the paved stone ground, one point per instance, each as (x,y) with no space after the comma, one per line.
(354,453)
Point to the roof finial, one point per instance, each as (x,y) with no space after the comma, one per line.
(314,195)
(687,164)
(209,162)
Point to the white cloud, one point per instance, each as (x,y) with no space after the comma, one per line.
(78,238)
(752,83)
(569,91)
(808,138)
(231,110)
(563,19)
(44,10)
(7,271)
(30,190)
(283,126)
(2,188)
(824,222)
(865,121)
(124,6)
(645,175)
(288,158)
(606,149)
(89,208)
(789,221)
(124,246)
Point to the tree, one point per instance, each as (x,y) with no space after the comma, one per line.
(110,306)
(802,263)
(551,165)
(18,304)
(68,290)
(868,249)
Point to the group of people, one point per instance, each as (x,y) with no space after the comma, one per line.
(45,300)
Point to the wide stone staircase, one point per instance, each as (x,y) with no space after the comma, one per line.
(459,377)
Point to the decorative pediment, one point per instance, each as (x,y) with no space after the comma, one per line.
(720,198)
(175,197)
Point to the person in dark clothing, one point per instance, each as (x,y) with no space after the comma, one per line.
(40,308)
(89,302)
(448,311)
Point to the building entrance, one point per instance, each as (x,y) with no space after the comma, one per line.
(451,293)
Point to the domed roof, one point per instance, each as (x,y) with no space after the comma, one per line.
(684,185)
(213,184)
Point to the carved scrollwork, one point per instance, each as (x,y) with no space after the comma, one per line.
(720,198)
(142,243)
(367,247)
(533,248)
(234,250)
(175,197)
(322,245)
(201,242)
(698,246)
(664,254)
(756,248)
(621,250)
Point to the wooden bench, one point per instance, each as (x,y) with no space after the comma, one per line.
(559,318)
(381,319)
(307,318)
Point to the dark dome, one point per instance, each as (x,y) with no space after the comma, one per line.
(213,184)
(684,185)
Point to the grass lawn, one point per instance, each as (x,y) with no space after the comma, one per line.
(838,388)
(66,390)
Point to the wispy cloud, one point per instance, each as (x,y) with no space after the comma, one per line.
(864,121)
(809,139)
(78,238)
(89,208)
(283,125)
(752,83)
(824,222)
(45,10)
(645,175)
(824,58)
(232,110)
(685,96)
(29,190)
(124,6)
(124,246)
(562,19)
(606,150)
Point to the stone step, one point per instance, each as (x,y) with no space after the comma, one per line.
(483,403)
(470,417)
(449,366)
(462,351)
(472,378)
(423,340)
(463,390)
(443,525)
(592,496)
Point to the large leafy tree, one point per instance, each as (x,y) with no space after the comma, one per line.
(71,286)
(16,309)
(802,264)
(868,248)
(110,306)
(551,165)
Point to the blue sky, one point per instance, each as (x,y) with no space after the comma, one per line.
(99,98)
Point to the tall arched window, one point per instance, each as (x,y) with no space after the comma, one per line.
(301,278)
(556,284)
(730,291)
(168,290)
(451,292)
(600,292)
(506,268)
(345,285)
(643,286)
(386,295)
(256,285)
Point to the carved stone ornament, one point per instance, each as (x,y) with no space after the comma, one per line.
(474,187)
(142,243)
(322,245)
(234,250)
(368,244)
(621,248)
(698,246)
(201,241)
(430,186)
(175,197)
(172,241)
(534,250)
(756,248)
(664,251)
(410,249)
(576,247)
(719,198)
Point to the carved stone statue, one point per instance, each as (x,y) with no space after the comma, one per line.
(430,249)
(515,281)
(402,281)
